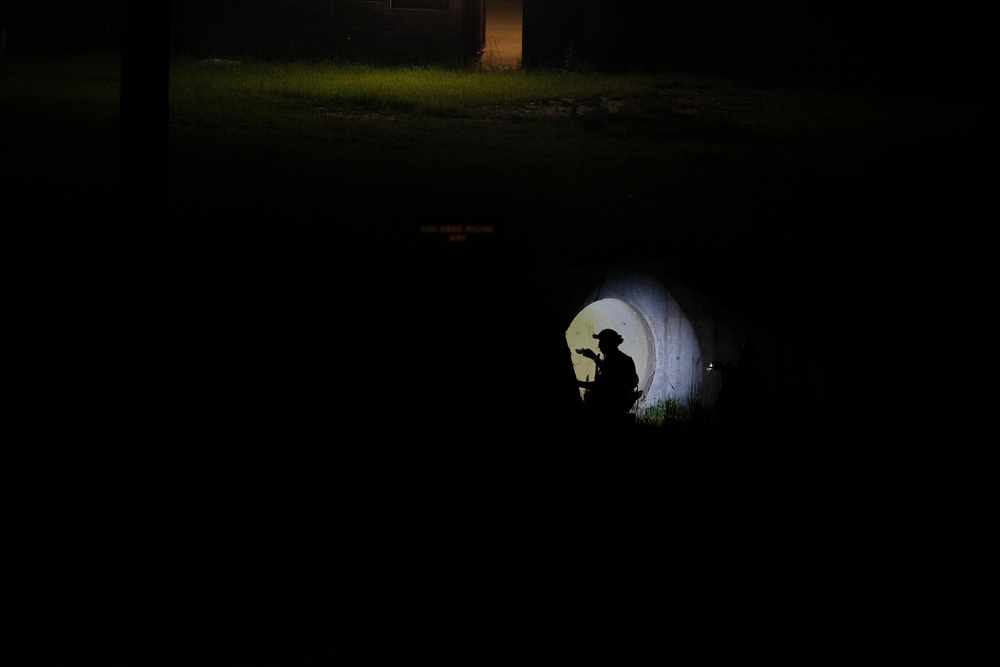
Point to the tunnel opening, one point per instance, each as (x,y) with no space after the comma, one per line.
(658,334)
(629,323)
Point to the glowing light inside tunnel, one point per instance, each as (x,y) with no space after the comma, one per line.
(628,322)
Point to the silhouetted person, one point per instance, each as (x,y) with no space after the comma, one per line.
(610,395)
(744,403)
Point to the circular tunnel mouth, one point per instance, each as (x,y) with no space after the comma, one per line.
(630,324)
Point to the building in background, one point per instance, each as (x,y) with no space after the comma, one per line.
(376,31)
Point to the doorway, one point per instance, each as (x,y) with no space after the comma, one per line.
(504,20)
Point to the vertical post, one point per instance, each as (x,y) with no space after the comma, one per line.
(143,133)
(144,102)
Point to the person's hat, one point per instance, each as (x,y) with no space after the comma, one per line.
(611,335)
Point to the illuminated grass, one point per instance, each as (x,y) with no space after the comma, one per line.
(574,149)
(561,140)
(249,89)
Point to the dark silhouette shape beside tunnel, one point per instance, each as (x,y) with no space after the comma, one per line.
(744,404)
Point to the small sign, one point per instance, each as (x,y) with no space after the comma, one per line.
(457,233)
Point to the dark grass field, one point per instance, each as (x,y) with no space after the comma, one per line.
(273,248)
(237,507)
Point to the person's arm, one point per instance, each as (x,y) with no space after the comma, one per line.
(590,354)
